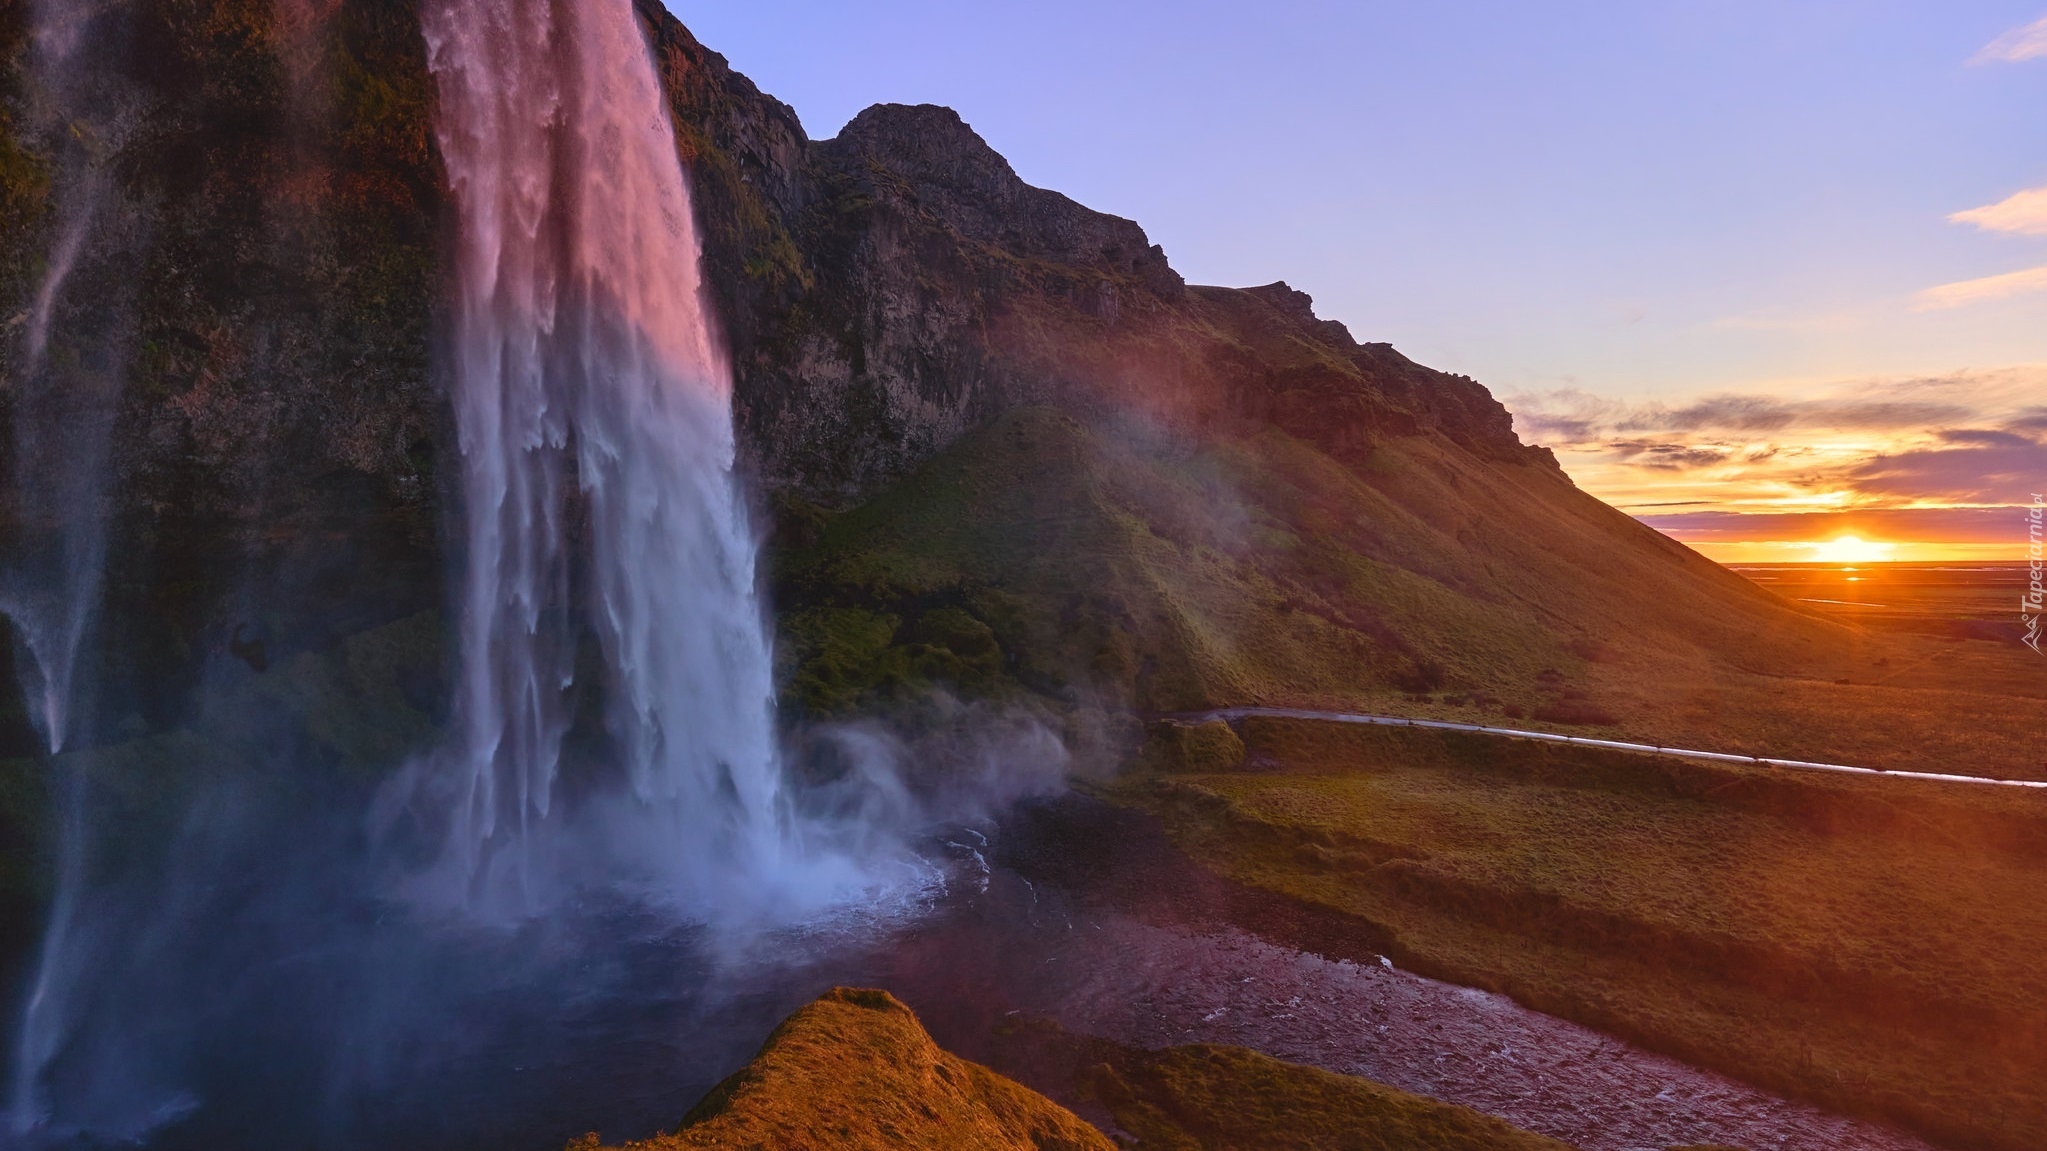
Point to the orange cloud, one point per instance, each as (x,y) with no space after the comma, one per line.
(1740,475)
(2022,213)
(1981,291)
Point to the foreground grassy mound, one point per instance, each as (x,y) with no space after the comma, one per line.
(1869,944)
(856,1070)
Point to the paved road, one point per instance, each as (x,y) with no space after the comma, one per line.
(1609,744)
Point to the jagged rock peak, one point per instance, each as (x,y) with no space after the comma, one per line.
(931,145)
(1299,306)
(930,154)
(1287,298)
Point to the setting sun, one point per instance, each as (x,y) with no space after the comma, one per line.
(1850,550)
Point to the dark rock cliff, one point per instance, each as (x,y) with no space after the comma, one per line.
(887,290)
(261,276)
(258,195)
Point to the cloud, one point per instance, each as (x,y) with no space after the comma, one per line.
(2022,213)
(1665,455)
(2016,46)
(1984,468)
(1965,438)
(1988,288)
(1766,413)
(1987,437)
(1565,416)
(1950,525)
(1571,416)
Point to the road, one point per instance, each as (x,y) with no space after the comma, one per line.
(1232,713)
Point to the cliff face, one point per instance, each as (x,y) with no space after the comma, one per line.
(887,290)
(224,219)
(947,291)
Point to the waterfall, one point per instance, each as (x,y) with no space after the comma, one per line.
(593,405)
(251,957)
(62,421)
(50,586)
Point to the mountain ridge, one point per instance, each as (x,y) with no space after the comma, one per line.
(280,456)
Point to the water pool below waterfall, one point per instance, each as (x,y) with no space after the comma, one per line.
(1070,911)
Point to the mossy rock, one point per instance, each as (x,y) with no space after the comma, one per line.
(1195,748)
(970,643)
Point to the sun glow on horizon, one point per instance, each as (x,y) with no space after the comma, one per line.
(1880,470)
(1850,549)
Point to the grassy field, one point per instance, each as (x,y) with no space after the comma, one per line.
(1208,1097)
(1875,698)
(1872,945)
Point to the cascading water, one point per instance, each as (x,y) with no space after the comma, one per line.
(594,413)
(50,589)
(61,421)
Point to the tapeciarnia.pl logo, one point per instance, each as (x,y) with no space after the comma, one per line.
(2034,605)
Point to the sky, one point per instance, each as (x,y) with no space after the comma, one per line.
(1766,273)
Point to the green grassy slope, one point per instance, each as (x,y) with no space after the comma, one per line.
(1106,563)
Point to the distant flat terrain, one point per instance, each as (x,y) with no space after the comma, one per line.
(1950,598)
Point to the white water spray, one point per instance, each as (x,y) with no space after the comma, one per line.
(594,411)
(45,1016)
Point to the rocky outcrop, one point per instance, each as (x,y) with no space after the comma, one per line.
(944,291)
(886,290)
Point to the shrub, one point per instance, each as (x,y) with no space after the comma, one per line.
(1200,748)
